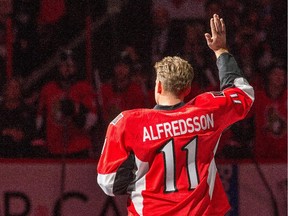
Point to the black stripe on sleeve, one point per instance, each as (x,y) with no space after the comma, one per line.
(228,70)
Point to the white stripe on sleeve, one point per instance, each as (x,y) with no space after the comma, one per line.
(243,84)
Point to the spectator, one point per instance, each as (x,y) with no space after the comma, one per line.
(233,11)
(183,9)
(161,34)
(248,55)
(50,25)
(15,125)
(271,116)
(25,49)
(139,71)
(121,93)
(130,55)
(68,107)
(251,18)
(252,54)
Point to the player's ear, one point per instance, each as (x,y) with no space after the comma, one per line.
(159,87)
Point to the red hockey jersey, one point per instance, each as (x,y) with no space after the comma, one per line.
(165,158)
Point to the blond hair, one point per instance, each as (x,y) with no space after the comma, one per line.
(175,73)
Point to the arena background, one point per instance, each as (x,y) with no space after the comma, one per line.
(34,187)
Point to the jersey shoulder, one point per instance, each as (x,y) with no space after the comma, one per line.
(207,98)
(132,116)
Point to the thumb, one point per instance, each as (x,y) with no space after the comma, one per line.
(208,38)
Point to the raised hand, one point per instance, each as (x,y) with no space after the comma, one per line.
(217,41)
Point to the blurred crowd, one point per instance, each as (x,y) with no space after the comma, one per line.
(67,114)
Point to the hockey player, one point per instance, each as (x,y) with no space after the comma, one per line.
(164,157)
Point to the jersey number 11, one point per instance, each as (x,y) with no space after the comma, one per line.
(168,151)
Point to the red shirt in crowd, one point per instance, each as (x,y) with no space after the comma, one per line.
(59,134)
(271,126)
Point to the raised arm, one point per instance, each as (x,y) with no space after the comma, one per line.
(227,66)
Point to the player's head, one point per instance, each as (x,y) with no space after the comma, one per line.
(175,75)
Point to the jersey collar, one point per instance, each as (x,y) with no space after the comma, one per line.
(164,107)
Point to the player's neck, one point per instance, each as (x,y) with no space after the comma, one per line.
(168,100)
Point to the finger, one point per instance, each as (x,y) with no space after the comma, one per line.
(217,23)
(212,26)
(223,25)
(208,38)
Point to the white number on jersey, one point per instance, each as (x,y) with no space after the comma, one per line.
(168,151)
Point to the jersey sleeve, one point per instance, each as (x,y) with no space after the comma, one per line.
(236,95)
(239,101)
(238,92)
(228,70)
(116,165)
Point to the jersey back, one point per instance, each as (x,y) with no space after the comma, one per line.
(173,150)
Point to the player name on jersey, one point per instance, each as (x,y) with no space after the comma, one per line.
(178,127)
